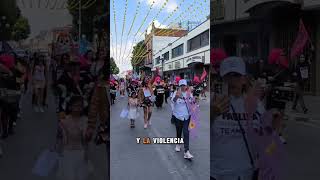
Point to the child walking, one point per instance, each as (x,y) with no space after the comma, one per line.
(74,165)
(133,108)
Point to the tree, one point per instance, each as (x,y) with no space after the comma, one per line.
(113,66)
(137,54)
(21,29)
(89,17)
(11,12)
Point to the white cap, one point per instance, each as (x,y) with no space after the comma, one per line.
(182,82)
(232,64)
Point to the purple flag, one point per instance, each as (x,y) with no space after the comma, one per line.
(266,141)
(195,116)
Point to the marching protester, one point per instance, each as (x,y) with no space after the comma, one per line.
(145,95)
(122,87)
(233,151)
(181,115)
(301,74)
(39,78)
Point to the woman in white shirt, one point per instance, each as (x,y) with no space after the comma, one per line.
(182,115)
(233,156)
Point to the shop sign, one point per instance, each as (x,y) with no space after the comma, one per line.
(195,59)
(177,65)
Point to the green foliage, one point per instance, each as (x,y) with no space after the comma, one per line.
(88,17)
(21,29)
(137,49)
(113,66)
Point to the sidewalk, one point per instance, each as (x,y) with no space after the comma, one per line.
(312,103)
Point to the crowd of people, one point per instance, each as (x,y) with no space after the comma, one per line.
(146,93)
(80,85)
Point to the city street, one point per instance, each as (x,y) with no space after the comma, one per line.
(132,161)
(303,147)
(36,132)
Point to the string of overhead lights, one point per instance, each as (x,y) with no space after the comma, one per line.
(156,16)
(169,16)
(115,26)
(123,24)
(134,18)
(171,30)
(165,31)
(59,4)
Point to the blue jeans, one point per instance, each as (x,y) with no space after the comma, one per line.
(183,126)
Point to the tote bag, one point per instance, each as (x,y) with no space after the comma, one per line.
(45,163)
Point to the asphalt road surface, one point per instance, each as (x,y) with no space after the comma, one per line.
(132,161)
(35,132)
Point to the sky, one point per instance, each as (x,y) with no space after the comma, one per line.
(42,18)
(165,13)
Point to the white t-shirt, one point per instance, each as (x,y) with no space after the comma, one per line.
(229,154)
(179,108)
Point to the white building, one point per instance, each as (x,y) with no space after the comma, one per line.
(187,55)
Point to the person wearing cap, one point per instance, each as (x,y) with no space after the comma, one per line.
(182,115)
(232,158)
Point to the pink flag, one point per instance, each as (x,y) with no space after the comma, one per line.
(7,60)
(266,141)
(204,74)
(301,41)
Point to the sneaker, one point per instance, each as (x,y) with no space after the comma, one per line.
(41,109)
(178,148)
(36,109)
(187,155)
(149,123)
(305,110)
(283,140)
(14,124)
(145,126)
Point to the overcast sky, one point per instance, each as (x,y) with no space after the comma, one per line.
(41,18)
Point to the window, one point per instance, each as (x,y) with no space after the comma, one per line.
(199,41)
(158,60)
(177,51)
(166,56)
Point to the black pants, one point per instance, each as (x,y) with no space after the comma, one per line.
(183,126)
(9,115)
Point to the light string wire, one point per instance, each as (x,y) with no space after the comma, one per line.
(147,27)
(194,11)
(134,18)
(115,28)
(155,17)
(165,30)
(123,25)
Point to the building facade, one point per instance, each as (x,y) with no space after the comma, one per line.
(158,38)
(186,56)
(251,28)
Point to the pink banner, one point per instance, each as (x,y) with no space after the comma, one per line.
(300,42)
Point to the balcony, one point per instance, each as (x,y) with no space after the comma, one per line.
(218,9)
